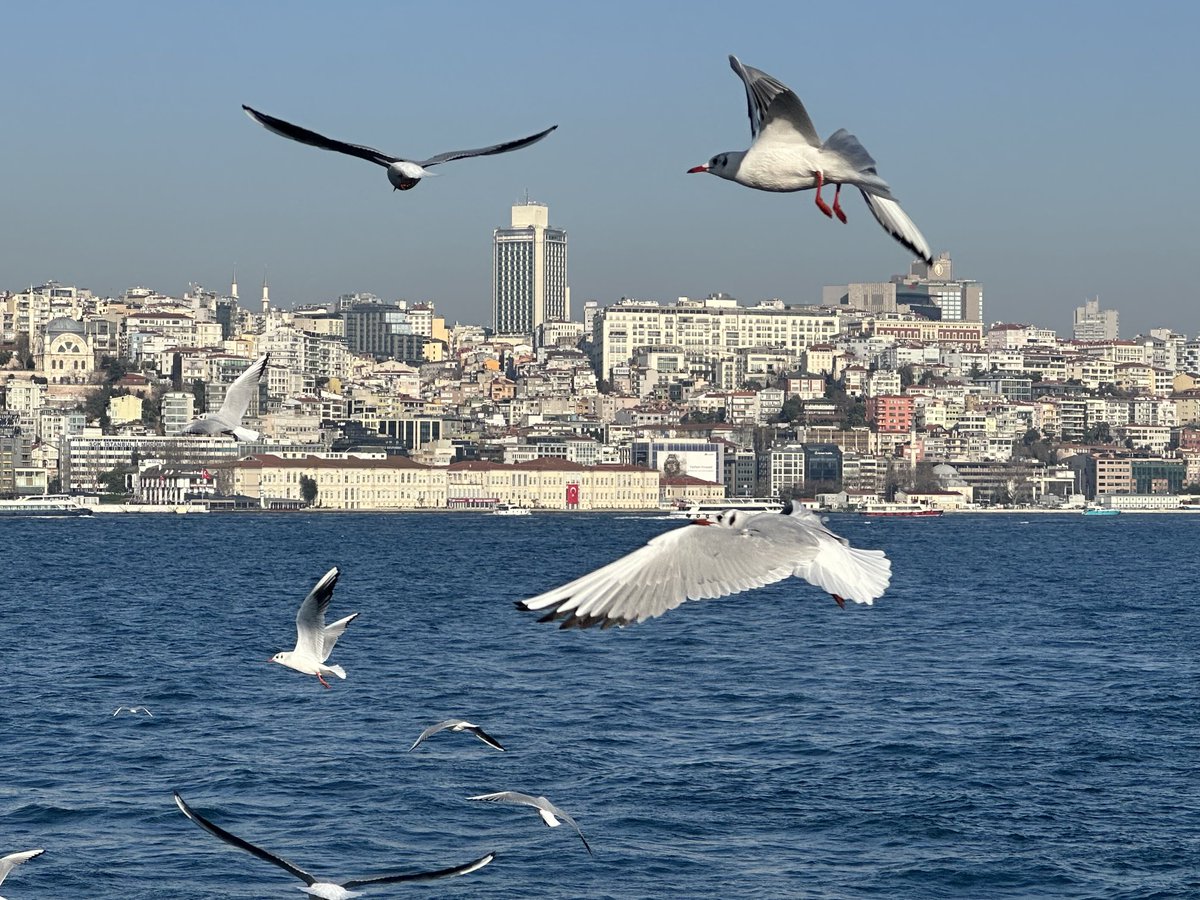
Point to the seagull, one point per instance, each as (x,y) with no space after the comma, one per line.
(324,890)
(315,639)
(788,155)
(550,813)
(457,725)
(10,862)
(132,709)
(404,174)
(737,551)
(228,420)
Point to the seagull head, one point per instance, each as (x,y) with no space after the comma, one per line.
(723,165)
(281,658)
(404,175)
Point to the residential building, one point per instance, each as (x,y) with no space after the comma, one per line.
(1092,323)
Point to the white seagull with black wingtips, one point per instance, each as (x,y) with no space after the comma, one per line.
(228,419)
(551,814)
(456,725)
(324,890)
(404,174)
(788,155)
(735,552)
(315,639)
(10,862)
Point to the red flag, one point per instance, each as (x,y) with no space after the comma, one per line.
(572,495)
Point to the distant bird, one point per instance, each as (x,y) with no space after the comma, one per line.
(456,725)
(550,813)
(315,639)
(228,419)
(132,709)
(10,862)
(404,174)
(324,890)
(736,552)
(788,155)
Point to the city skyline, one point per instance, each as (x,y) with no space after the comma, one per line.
(137,166)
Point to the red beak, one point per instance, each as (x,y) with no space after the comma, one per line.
(695,169)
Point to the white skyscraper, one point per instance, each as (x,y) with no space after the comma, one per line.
(1095,324)
(529,272)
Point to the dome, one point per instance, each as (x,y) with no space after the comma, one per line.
(63,325)
(948,476)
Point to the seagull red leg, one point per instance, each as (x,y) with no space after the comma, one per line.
(322,680)
(821,204)
(841,601)
(837,206)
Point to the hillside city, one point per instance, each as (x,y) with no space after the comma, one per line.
(891,391)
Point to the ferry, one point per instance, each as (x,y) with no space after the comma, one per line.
(710,509)
(1101,511)
(504,509)
(44,505)
(900,511)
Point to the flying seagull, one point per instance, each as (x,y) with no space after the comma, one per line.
(788,155)
(10,862)
(550,813)
(132,709)
(456,725)
(735,552)
(324,890)
(228,419)
(404,174)
(315,639)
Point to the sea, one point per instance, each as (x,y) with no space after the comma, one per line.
(1018,716)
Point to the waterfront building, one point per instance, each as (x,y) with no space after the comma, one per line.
(529,272)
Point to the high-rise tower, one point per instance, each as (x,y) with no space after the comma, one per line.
(529,272)
(266,300)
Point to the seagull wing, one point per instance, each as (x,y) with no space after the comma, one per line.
(227,837)
(423,876)
(304,136)
(331,633)
(10,862)
(688,563)
(310,619)
(432,730)
(772,105)
(484,736)
(555,811)
(486,151)
(835,567)
(509,797)
(237,398)
(896,222)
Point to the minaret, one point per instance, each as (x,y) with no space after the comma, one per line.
(233,285)
(266,301)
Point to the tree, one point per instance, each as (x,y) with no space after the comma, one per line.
(198,393)
(308,490)
(792,408)
(114,479)
(906,375)
(1100,433)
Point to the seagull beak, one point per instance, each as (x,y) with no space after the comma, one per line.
(695,169)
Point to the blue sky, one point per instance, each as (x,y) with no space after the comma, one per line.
(1050,147)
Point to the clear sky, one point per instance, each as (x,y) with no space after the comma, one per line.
(1050,147)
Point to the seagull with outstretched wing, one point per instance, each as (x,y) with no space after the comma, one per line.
(734,552)
(228,419)
(314,887)
(404,174)
(787,154)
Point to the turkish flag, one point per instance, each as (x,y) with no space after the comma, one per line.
(572,495)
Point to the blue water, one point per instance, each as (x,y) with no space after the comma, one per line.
(1017,716)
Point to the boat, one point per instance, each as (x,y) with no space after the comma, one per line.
(709,509)
(505,509)
(44,505)
(1101,511)
(899,511)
